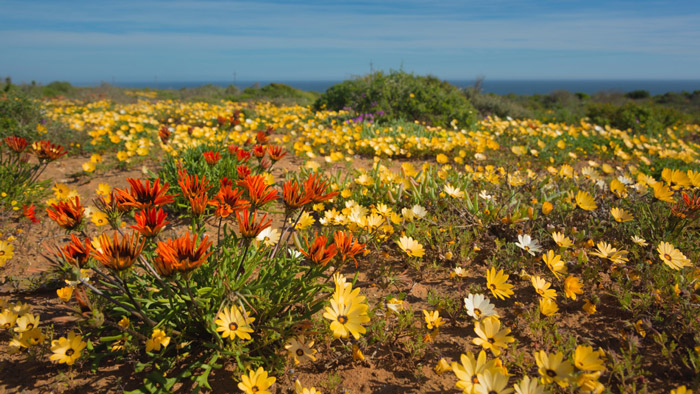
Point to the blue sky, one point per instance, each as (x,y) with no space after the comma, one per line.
(128,41)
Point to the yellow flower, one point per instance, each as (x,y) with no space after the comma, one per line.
(586,359)
(553,368)
(103,189)
(585,201)
(548,307)
(618,188)
(529,386)
(6,252)
(672,257)
(663,193)
(8,318)
(547,208)
(26,323)
(453,191)
(572,287)
(496,282)
(432,319)
(299,389)
(357,353)
(299,350)
(256,382)
(469,369)
(347,317)
(554,263)
(441,158)
(491,336)
(88,166)
(562,240)
(589,307)
(305,220)
(681,390)
(411,247)
(96,158)
(99,218)
(620,215)
(158,339)
(442,367)
(543,288)
(67,350)
(232,322)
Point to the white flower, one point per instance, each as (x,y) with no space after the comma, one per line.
(294,254)
(528,244)
(485,196)
(624,180)
(269,236)
(419,211)
(479,306)
(453,191)
(639,240)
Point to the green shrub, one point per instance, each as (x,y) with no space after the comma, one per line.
(57,88)
(19,115)
(637,117)
(276,93)
(494,104)
(400,95)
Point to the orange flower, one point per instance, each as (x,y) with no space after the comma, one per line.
(292,197)
(181,254)
(347,247)
(118,254)
(17,144)
(227,201)
(211,157)
(142,196)
(243,171)
(259,193)
(192,186)
(315,188)
(29,212)
(258,151)
(149,222)
(261,137)
(318,252)
(46,151)
(164,134)
(67,214)
(276,152)
(247,225)
(76,252)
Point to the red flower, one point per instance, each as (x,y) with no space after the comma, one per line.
(292,196)
(315,189)
(67,214)
(347,247)
(181,254)
(243,171)
(118,254)
(192,186)
(77,252)
(211,157)
(258,192)
(227,201)
(242,155)
(247,225)
(258,151)
(318,252)
(17,144)
(276,152)
(149,222)
(261,137)
(46,151)
(233,149)
(29,211)
(164,134)
(142,196)
(225,182)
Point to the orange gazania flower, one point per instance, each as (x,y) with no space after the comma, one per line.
(211,157)
(276,152)
(261,137)
(17,144)
(347,247)
(118,254)
(181,254)
(258,151)
(227,201)
(142,196)
(292,196)
(191,185)
(67,214)
(149,222)
(247,225)
(164,134)
(29,212)
(198,204)
(46,151)
(259,193)
(243,171)
(318,252)
(315,188)
(242,155)
(76,252)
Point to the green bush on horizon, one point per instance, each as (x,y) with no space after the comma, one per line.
(401,95)
(644,117)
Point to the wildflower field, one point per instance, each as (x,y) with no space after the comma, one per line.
(176,246)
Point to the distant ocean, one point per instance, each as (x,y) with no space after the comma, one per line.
(518,87)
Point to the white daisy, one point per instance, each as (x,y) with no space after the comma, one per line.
(526,243)
(269,236)
(479,306)
(419,211)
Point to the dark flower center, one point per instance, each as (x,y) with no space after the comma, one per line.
(477,311)
(233,326)
(254,389)
(551,373)
(492,286)
(70,352)
(667,257)
(300,352)
(491,341)
(475,380)
(342,319)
